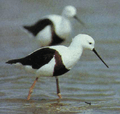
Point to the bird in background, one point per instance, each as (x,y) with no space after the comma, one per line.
(53,29)
(56,60)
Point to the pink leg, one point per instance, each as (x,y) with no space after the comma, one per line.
(58,89)
(31,89)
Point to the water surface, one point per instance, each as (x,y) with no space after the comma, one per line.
(89,81)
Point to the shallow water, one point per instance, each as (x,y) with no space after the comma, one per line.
(89,81)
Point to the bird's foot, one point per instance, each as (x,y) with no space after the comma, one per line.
(59,95)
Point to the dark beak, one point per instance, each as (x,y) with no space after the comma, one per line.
(79,20)
(99,57)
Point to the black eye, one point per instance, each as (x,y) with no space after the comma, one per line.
(90,43)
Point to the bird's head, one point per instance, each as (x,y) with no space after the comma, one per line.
(87,42)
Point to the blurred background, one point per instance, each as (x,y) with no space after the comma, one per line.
(88,81)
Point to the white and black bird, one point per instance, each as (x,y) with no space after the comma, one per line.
(53,29)
(56,60)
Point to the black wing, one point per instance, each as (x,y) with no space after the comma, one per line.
(40,25)
(37,27)
(37,59)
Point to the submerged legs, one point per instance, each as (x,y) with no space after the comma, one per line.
(31,89)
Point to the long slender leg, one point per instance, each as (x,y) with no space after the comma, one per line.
(31,89)
(58,89)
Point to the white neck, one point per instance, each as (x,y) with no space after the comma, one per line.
(64,19)
(76,48)
(65,16)
(76,44)
(64,28)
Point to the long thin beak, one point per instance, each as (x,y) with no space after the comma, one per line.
(99,57)
(79,20)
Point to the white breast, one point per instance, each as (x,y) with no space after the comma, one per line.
(68,56)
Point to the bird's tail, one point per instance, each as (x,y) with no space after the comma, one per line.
(14,61)
(31,29)
(27,28)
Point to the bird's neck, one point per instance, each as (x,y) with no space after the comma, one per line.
(65,20)
(76,48)
(64,28)
(64,17)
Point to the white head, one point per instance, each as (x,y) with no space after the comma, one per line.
(69,11)
(86,42)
